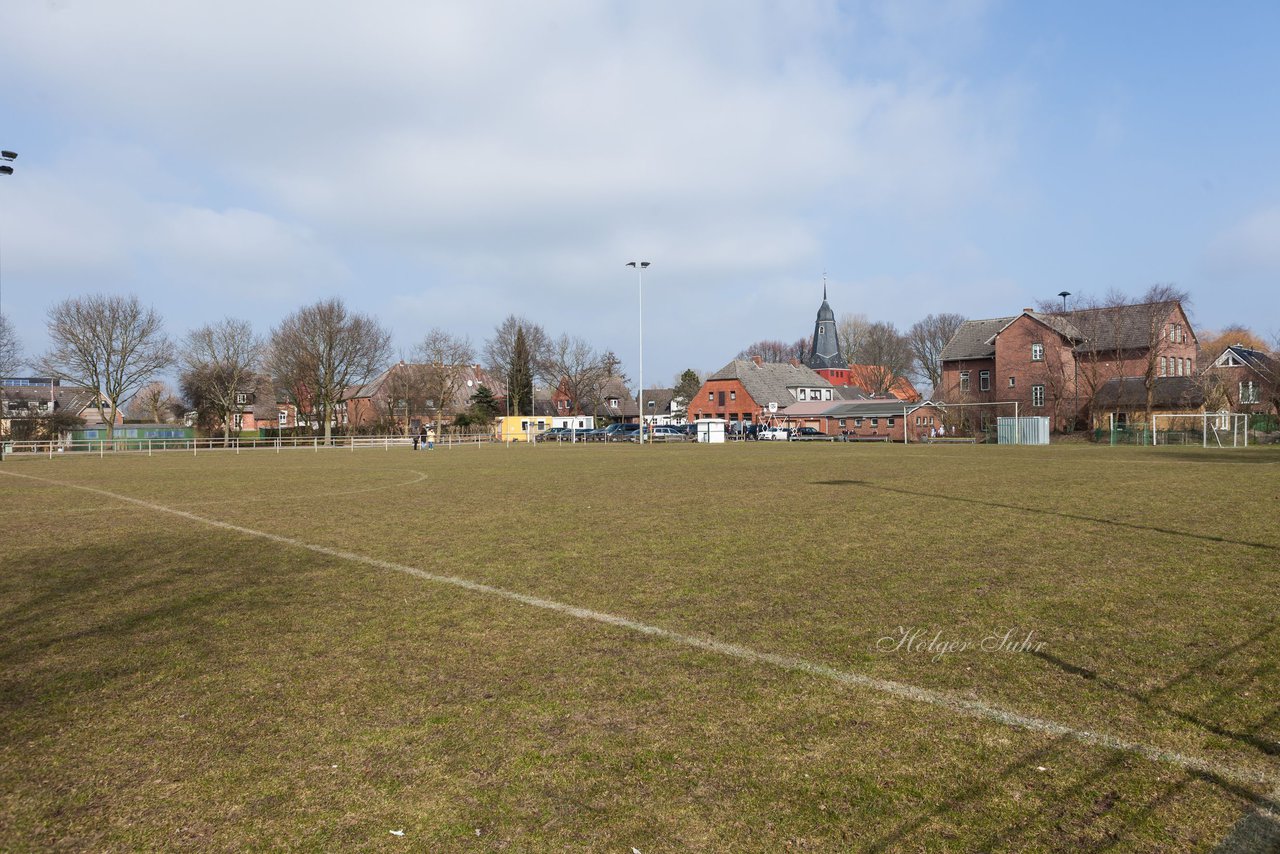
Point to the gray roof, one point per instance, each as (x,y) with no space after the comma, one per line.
(661,398)
(1264,363)
(1131,393)
(975,339)
(770,382)
(1124,327)
(877,408)
(67,398)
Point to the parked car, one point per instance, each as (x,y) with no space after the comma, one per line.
(661,434)
(774,434)
(556,434)
(808,433)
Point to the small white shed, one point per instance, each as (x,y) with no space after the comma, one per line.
(710,429)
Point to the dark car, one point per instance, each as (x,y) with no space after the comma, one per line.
(808,433)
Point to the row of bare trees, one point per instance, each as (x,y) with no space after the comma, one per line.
(118,346)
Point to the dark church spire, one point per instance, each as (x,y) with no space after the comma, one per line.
(824,352)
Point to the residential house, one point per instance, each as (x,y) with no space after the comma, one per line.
(27,401)
(1244,380)
(754,391)
(402,398)
(661,407)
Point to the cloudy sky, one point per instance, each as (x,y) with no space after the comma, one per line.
(446,164)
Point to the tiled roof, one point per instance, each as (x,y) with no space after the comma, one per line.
(1131,393)
(1264,363)
(878,408)
(769,382)
(869,376)
(1125,327)
(975,339)
(661,398)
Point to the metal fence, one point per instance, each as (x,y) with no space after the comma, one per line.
(148,447)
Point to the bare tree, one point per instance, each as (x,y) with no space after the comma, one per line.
(852,329)
(773,350)
(1157,310)
(405,392)
(10,348)
(578,371)
(320,350)
(112,344)
(155,403)
(446,359)
(505,360)
(219,366)
(927,338)
(887,353)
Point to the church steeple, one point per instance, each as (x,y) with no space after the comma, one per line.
(824,352)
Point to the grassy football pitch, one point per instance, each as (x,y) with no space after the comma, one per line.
(822,647)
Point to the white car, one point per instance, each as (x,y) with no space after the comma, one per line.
(775,434)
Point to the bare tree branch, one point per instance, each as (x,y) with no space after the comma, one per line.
(112,344)
(319,351)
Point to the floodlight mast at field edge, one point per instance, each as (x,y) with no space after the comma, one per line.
(6,157)
(640,267)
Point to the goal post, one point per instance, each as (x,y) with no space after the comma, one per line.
(1208,429)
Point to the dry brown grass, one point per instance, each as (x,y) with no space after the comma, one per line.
(171,685)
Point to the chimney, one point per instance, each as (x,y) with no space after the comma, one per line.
(757,360)
(1028,310)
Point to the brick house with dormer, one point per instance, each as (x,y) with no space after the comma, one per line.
(1057,364)
(747,391)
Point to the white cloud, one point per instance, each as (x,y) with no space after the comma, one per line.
(514,147)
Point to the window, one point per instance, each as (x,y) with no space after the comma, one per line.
(711,396)
(842,424)
(826,394)
(1177,363)
(283,417)
(984,381)
(720,398)
(652,404)
(238,421)
(889,422)
(1013,381)
(1164,372)
(241,398)
(964,380)
(875,422)
(1037,352)
(1037,395)
(733,395)
(1249,392)
(857,422)
(804,394)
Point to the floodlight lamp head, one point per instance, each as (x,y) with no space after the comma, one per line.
(9,155)
(6,170)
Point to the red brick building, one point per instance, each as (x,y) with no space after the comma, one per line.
(1057,364)
(1244,380)
(749,391)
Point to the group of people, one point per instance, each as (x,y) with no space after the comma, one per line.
(423,438)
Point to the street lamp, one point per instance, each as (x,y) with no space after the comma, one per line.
(6,157)
(640,267)
(1064,295)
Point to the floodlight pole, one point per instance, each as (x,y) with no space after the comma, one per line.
(640,267)
(6,157)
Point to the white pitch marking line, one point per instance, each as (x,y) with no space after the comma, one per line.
(941,699)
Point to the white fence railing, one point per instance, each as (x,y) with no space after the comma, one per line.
(102,447)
